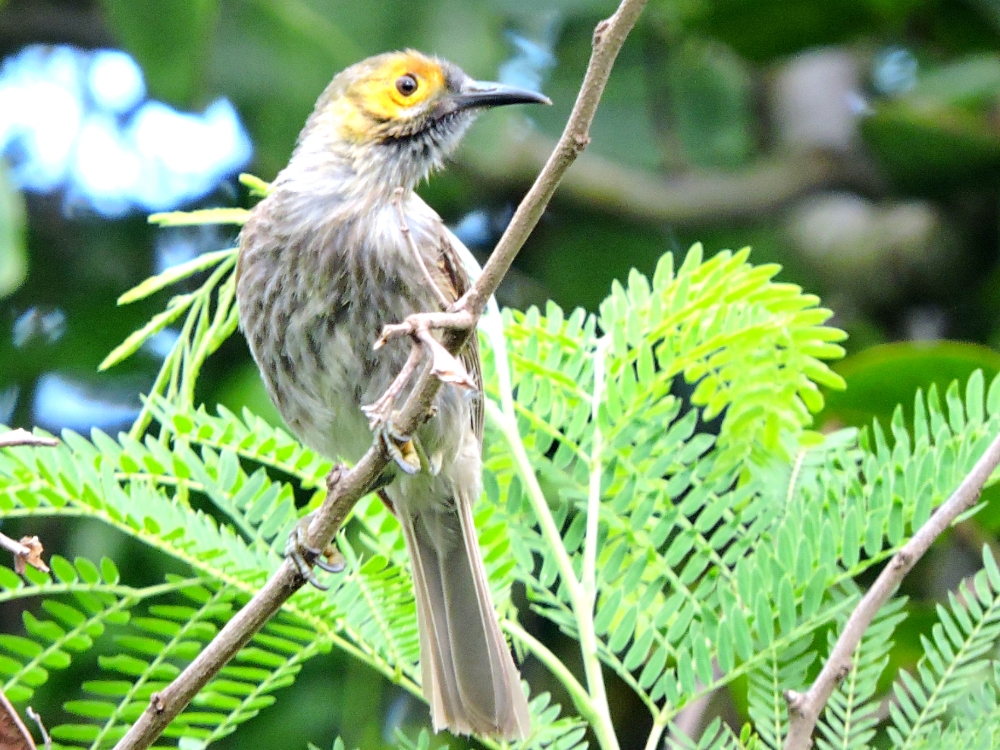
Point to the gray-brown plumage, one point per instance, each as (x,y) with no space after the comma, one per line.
(325,263)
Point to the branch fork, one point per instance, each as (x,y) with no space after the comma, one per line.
(457,318)
(26,552)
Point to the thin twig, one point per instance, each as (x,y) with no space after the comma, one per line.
(608,38)
(380,410)
(13,438)
(12,728)
(345,488)
(14,547)
(28,551)
(804,708)
(33,715)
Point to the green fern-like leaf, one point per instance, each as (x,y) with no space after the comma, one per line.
(80,601)
(852,714)
(782,669)
(956,653)
(714,558)
(716,736)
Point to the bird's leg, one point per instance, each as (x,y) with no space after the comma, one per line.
(305,556)
(444,365)
(379,412)
(457,319)
(399,447)
(404,450)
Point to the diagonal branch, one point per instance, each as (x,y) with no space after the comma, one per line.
(804,708)
(345,487)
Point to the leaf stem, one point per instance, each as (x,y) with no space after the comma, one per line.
(592,705)
(577,692)
(589,578)
(581,602)
(655,733)
(585,596)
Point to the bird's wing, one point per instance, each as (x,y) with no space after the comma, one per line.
(449,272)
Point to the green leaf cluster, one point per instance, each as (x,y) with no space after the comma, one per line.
(686,559)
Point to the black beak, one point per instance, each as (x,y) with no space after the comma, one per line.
(488,94)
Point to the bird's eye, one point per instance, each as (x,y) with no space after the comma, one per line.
(406,85)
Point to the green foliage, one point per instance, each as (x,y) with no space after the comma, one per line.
(881,377)
(717,736)
(852,714)
(683,561)
(13,259)
(958,651)
(173,51)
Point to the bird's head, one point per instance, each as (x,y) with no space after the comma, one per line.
(396,116)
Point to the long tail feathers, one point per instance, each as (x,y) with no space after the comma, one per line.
(469,676)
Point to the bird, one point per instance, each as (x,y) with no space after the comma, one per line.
(341,247)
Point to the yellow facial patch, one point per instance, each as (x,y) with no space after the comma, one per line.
(388,92)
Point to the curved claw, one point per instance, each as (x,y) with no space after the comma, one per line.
(400,447)
(446,366)
(404,453)
(306,556)
(380,411)
(315,582)
(332,561)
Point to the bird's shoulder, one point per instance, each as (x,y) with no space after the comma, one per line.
(448,262)
(444,254)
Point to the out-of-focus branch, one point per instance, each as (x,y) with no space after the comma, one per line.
(345,487)
(48,22)
(804,708)
(691,718)
(695,197)
(17,437)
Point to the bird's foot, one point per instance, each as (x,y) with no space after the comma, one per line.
(380,411)
(444,365)
(401,448)
(306,556)
(457,319)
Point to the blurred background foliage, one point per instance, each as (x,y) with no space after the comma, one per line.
(855,142)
